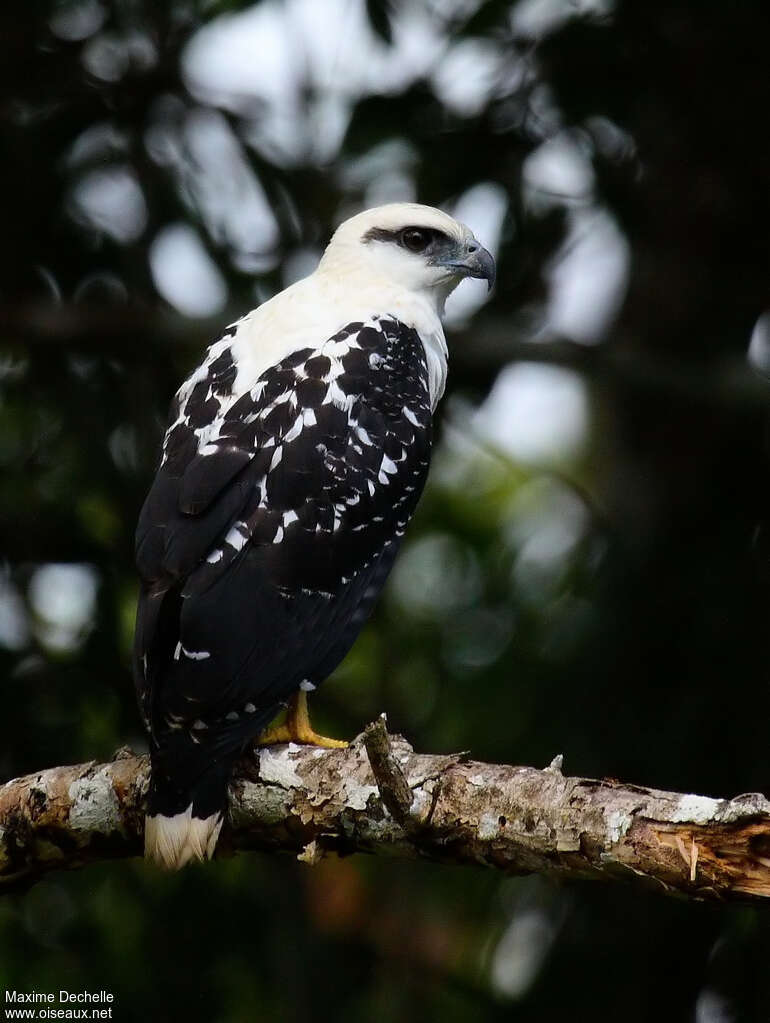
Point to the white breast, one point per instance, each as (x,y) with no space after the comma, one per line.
(315,308)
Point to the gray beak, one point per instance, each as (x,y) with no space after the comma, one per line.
(476,261)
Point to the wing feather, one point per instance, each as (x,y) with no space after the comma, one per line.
(273,522)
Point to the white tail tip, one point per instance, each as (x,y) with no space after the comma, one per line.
(171,842)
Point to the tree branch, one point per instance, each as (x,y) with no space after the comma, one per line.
(310,802)
(490,344)
(394,789)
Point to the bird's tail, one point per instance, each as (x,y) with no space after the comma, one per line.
(185,808)
(172,842)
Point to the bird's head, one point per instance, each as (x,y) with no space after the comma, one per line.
(415,247)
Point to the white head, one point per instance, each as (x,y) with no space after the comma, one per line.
(417,248)
(401,260)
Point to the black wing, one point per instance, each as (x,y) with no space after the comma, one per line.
(272,524)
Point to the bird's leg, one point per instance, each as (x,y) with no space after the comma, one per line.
(297,728)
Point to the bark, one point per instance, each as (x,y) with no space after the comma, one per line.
(379,796)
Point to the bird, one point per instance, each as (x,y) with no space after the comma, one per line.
(294,458)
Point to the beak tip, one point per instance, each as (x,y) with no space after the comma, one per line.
(485,267)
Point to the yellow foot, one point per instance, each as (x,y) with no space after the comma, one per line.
(297,728)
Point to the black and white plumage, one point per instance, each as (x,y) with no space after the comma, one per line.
(294,459)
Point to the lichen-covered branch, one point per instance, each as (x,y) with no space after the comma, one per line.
(311,802)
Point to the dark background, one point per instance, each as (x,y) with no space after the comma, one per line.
(601,591)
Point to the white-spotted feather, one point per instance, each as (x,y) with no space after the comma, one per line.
(296,376)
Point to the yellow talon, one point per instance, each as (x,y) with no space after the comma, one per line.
(297,728)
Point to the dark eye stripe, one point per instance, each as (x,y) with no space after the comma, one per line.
(381,234)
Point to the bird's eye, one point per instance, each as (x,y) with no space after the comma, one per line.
(416,239)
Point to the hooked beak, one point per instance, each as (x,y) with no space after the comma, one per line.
(474,261)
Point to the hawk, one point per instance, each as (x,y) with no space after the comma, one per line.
(294,458)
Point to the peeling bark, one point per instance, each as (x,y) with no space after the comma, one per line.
(311,802)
